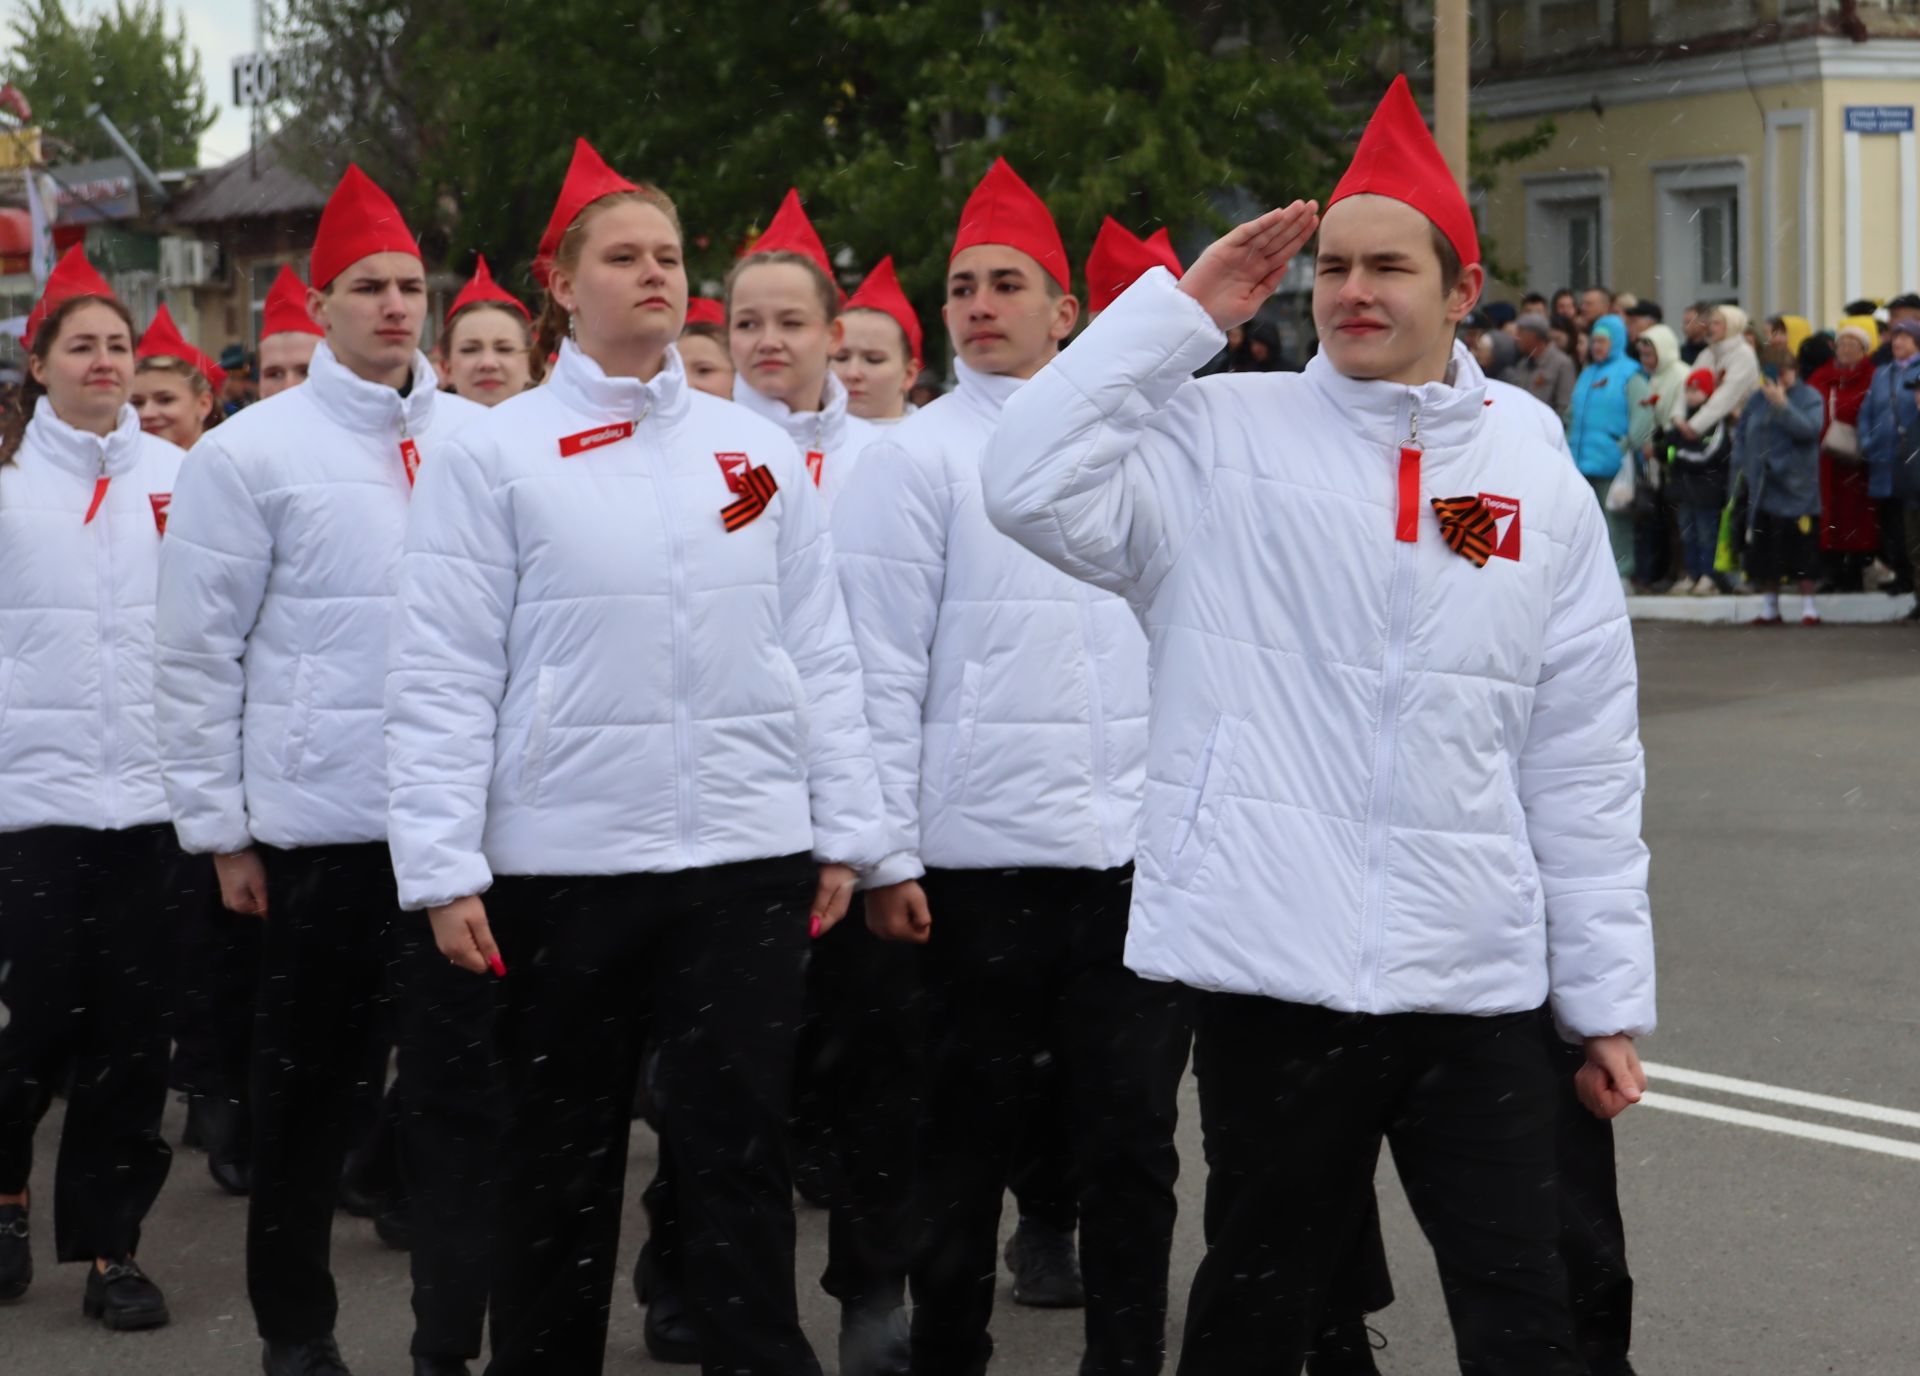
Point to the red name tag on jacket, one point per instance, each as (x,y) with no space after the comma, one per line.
(816,464)
(733,467)
(571,445)
(161,501)
(410,458)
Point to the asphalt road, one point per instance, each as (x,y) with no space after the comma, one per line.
(1771,1235)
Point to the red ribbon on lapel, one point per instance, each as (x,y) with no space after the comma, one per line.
(756,490)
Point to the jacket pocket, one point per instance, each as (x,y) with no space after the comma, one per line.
(960,753)
(1526,872)
(1199,824)
(802,715)
(533,760)
(293,749)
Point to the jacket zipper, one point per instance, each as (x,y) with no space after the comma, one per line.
(103,574)
(1380,803)
(1096,725)
(682,718)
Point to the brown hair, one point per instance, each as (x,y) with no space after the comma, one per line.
(706,329)
(1779,358)
(553,319)
(14,428)
(196,382)
(826,288)
(906,345)
(536,360)
(1451,268)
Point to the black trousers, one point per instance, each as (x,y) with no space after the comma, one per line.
(1041,1176)
(335,951)
(1025,965)
(86,957)
(213,1012)
(1593,1239)
(1294,1102)
(718,955)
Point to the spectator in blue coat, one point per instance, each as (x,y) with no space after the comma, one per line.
(1890,442)
(1776,451)
(1600,418)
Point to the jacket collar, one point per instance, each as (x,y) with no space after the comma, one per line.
(81,452)
(582,384)
(824,430)
(1383,413)
(369,407)
(984,393)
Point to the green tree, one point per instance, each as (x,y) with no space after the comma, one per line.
(883,112)
(125,59)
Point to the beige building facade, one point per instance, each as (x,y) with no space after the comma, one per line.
(1761,152)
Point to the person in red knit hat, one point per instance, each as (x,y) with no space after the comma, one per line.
(276,583)
(880,341)
(1008,705)
(288,335)
(1394,765)
(486,346)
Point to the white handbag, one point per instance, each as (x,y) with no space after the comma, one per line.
(1842,440)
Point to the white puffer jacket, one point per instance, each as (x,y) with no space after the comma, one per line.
(1380,779)
(833,432)
(276,587)
(76,625)
(1008,701)
(591,675)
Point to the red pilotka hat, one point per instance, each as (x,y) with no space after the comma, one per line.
(72,276)
(1004,210)
(791,231)
(881,292)
(1120,258)
(163,340)
(704,310)
(588,179)
(482,289)
(286,307)
(1397,158)
(359,220)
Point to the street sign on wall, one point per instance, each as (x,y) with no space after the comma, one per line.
(1879,119)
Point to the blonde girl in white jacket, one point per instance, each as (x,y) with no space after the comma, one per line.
(89,872)
(625,744)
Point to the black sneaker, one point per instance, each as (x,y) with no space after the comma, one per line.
(123,1298)
(875,1341)
(315,1357)
(1345,1349)
(1045,1266)
(16,1256)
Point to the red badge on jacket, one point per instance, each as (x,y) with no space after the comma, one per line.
(161,501)
(1506,521)
(410,460)
(571,445)
(733,467)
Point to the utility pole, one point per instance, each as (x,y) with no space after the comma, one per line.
(1450,84)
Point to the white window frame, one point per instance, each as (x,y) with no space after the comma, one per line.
(1545,189)
(1807,122)
(1672,182)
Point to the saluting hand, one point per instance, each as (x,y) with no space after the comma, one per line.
(899,913)
(461,932)
(1235,276)
(1612,1079)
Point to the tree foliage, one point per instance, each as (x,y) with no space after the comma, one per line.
(123,58)
(883,112)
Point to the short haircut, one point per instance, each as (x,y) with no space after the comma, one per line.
(1647,310)
(1778,357)
(1451,268)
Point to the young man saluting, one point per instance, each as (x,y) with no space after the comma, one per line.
(1394,772)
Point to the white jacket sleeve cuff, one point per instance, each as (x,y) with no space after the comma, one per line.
(897,868)
(223,835)
(462,877)
(1146,345)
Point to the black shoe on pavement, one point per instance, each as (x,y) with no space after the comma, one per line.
(122,1297)
(1045,1266)
(314,1357)
(393,1225)
(668,1332)
(875,1341)
(16,1256)
(232,1174)
(1344,1349)
(440,1366)
(193,1134)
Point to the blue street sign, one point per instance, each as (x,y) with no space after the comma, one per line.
(1879,119)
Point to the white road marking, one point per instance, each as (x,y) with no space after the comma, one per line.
(1769,1122)
(1796,1098)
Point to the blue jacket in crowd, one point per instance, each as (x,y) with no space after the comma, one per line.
(1600,411)
(1777,451)
(1892,408)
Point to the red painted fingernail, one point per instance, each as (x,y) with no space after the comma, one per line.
(813,926)
(499,966)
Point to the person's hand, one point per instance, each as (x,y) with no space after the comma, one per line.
(1775,393)
(1612,1079)
(899,913)
(243,882)
(830,900)
(461,932)
(1236,275)
(1685,429)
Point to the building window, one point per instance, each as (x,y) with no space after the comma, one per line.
(1700,231)
(1567,228)
(1715,218)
